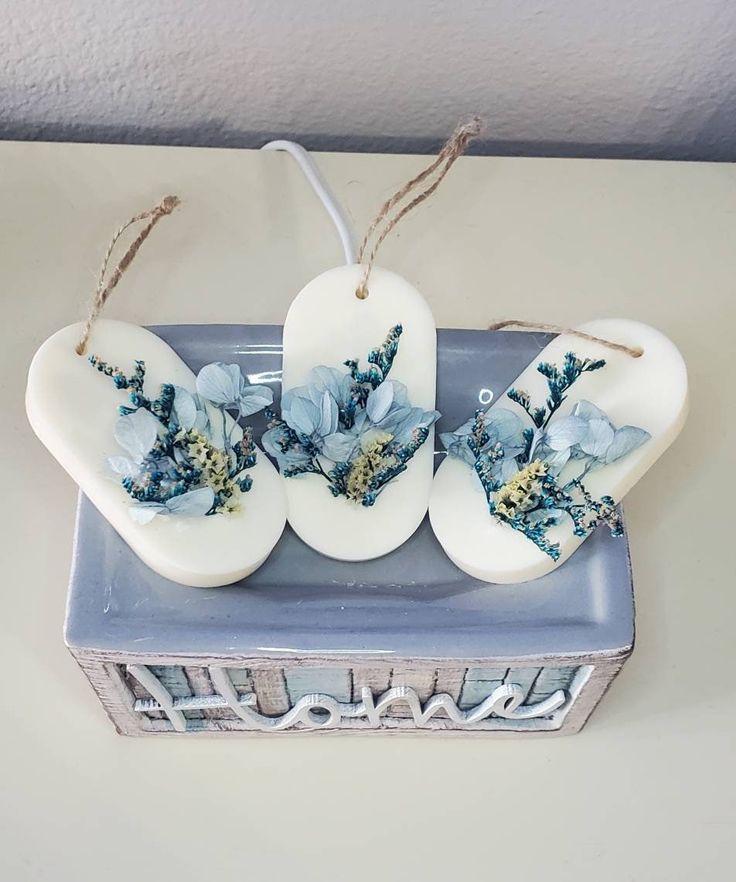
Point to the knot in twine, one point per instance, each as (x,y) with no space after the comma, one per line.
(454,148)
(104,289)
(633,351)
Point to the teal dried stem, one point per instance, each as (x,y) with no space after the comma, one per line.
(158,484)
(539,512)
(559,383)
(363,478)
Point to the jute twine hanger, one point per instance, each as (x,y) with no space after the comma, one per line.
(104,289)
(453,148)
(633,351)
(443,162)
(439,167)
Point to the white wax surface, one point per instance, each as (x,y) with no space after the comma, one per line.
(649,392)
(327,324)
(73,408)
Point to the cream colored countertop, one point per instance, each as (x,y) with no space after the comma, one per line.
(645,793)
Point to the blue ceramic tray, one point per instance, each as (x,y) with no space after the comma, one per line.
(413,603)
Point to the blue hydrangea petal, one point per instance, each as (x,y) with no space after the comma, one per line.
(461,432)
(447,439)
(456,444)
(328,416)
(557,460)
(137,432)
(202,419)
(303,415)
(411,419)
(565,432)
(503,426)
(379,401)
(287,398)
(625,440)
(542,514)
(222,384)
(401,393)
(184,410)
(294,457)
(429,418)
(508,469)
(332,380)
(194,504)
(254,399)
(464,453)
(180,456)
(270,441)
(144,512)
(340,446)
(400,420)
(361,419)
(589,411)
(121,465)
(598,438)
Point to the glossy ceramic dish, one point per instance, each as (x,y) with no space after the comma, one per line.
(411,603)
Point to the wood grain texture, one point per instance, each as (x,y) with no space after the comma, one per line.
(549,680)
(335,682)
(450,681)
(140,691)
(269,685)
(274,662)
(480,682)
(525,677)
(175,680)
(116,697)
(585,676)
(599,681)
(419,677)
(200,683)
(376,679)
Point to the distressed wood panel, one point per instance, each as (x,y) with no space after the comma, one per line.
(376,679)
(549,681)
(108,681)
(596,679)
(270,687)
(336,682)
(241,679)
(201,684)
(139,691)
(450,680)
(479,683)
(586,679)
(199,680)
(420,677)
(174,680)
(524,677)
(486,674)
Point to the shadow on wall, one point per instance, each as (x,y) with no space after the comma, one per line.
(708,145)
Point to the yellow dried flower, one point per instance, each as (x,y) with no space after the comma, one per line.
(520,493)
(214,463)
(367,464)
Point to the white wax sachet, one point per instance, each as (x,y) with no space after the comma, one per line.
(357,512)
(592,431)
(73,408)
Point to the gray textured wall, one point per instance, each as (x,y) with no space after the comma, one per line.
(646,78)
